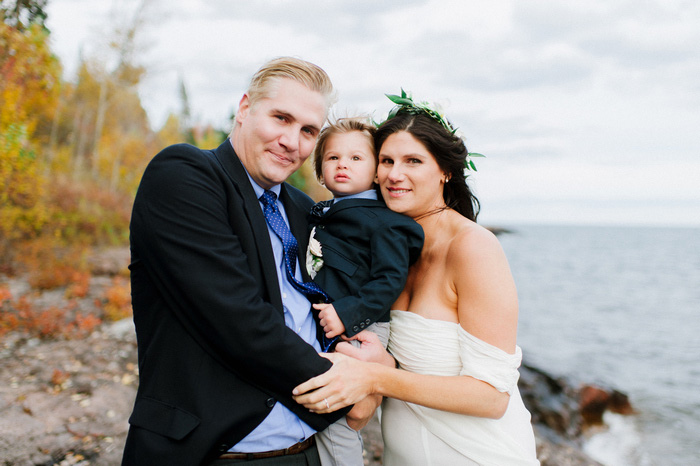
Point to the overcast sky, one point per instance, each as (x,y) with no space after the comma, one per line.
(588,112)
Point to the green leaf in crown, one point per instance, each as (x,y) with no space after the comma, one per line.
(405,102)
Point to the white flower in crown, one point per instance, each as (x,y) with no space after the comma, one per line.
(406,104)
(314,255)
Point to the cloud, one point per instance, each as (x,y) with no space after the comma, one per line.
(334,21)
(568,100)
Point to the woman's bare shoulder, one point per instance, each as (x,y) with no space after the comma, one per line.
(488,302)
(472,241)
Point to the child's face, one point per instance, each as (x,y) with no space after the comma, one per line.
(349,165)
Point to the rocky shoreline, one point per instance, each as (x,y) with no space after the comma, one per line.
(67,401)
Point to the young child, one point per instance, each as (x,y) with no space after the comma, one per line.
(359,253)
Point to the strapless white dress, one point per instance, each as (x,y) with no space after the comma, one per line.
(420,436)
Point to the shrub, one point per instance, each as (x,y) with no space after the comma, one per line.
(117,300)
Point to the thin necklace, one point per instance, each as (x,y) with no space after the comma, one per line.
(431,212)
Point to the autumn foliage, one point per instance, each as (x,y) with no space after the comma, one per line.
(20,314)
(116,303)
(71,156)
(72,151)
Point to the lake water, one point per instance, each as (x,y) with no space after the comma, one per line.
(618,306)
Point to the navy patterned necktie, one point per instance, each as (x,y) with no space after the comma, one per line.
(289,243)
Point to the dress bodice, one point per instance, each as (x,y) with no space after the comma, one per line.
(447,349)
(438,351)
(416,435)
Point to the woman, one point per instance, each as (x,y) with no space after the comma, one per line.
(454,399)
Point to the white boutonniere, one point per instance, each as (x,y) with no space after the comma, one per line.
(314,255)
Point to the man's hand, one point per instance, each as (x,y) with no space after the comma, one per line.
(329,320)
(349,381)
(360,414)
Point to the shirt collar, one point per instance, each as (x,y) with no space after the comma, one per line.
(369,194)
(259,190)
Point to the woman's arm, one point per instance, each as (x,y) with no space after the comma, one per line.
(350,381)
(487,301)
(487,308)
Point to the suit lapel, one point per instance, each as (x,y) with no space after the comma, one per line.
(232,165)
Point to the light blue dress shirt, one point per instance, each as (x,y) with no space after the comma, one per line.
(369,194)
(282,428)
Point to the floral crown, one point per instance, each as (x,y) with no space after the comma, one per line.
(405,104)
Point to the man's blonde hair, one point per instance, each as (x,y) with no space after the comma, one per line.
(296,69)
(262,84)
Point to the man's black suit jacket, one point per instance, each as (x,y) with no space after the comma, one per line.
(366,250)
(214,352)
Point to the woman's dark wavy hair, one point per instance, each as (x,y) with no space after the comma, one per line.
(449,152)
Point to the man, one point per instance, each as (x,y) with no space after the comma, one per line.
(224,334)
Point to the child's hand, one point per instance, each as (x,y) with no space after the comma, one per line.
(330,322)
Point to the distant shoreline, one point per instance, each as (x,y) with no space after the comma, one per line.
(499,230)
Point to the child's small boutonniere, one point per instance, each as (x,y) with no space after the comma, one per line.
(314,255)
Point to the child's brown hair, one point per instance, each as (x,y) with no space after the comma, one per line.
(341,126)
